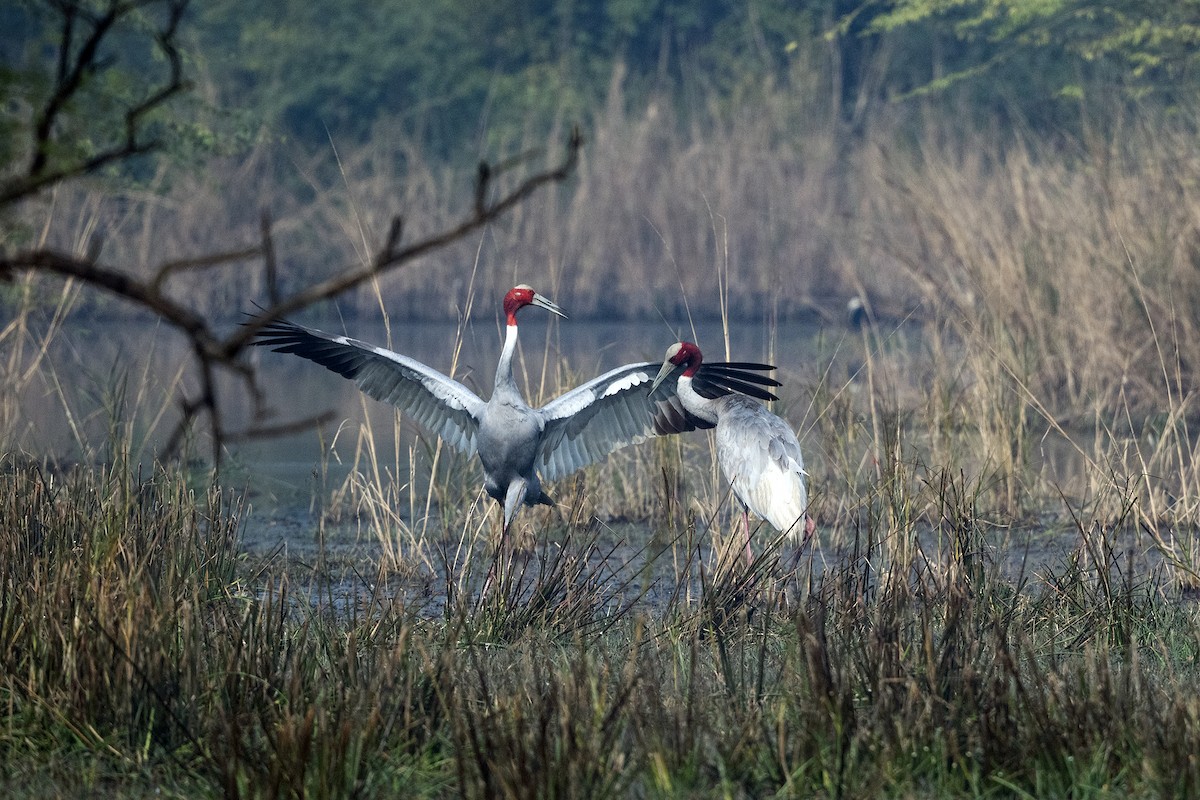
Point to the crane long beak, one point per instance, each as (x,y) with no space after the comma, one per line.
(663,372)
(542,302)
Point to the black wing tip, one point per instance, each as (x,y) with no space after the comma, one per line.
(279,333)
(739,365)
(739,375)
(738,380)
(713,386)
(750,390)
(743,371)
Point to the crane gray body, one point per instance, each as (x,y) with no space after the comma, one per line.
(514,441)
(509,434)
(759,456)
(758,452)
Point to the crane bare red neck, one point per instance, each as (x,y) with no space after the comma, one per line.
(517,298)
(687,355)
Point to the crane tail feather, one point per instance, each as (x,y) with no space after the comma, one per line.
(513,498)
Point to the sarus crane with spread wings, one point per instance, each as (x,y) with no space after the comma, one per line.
(518,446)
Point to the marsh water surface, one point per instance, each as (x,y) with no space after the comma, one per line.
(112,374)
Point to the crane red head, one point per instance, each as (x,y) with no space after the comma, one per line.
(715,379)
(520,296)
(685,354)
(680,354)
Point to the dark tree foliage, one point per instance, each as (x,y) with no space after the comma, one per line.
(452,70)
(449,72)
(85,86)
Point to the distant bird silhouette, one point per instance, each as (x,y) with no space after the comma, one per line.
(857,315)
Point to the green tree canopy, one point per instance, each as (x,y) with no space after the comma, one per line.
(448,68)
(1062,47)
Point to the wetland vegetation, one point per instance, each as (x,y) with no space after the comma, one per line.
(1001,597)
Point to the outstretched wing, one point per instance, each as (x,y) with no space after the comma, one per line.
(440,404)
(605,414)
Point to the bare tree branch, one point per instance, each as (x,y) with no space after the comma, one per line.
(112,280)
(392,256)
(212,353)
(76,61)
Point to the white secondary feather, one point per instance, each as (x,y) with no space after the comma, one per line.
(601,416)
(770,482)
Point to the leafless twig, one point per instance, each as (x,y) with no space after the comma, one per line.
(82,33)
(84,29)
(212,353)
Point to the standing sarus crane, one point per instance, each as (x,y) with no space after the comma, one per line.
(514,442)
(757,451)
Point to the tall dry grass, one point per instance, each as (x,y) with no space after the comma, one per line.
(1061,294)
(1033,300)
(151,659)
(655,199)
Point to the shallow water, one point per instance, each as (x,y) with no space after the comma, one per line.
(99,367)
(623,566)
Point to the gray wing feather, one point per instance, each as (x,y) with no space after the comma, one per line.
(671,417)
(760,456)
(440,404)
(601,416)
(784,449)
